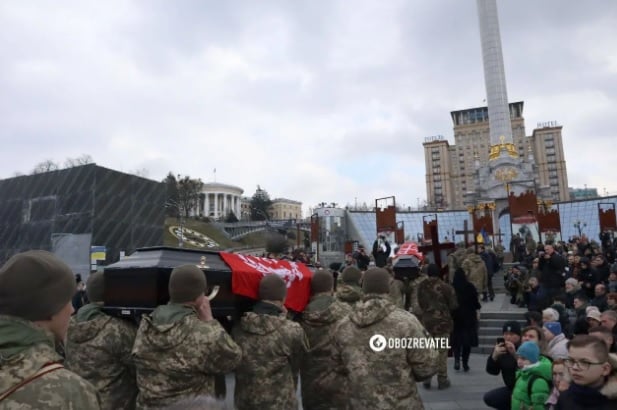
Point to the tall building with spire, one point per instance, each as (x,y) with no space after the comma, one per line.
(492,156)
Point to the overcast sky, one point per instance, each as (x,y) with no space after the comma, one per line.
(317,101)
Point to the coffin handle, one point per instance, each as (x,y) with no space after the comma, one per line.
(215,291)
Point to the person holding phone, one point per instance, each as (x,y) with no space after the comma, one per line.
(503,360)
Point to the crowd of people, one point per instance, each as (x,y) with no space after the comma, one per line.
(565,357)
(175,356)
(66,352)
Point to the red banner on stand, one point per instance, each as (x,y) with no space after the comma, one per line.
(247,271)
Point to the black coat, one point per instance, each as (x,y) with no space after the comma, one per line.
(553,271)
(506,365)
(465,331)
(573,399)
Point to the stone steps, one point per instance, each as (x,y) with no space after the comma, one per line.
(491,324)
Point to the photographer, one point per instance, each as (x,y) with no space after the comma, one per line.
(362,259)
(503,360)
(381,251)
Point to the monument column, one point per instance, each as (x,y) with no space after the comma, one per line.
(494,74)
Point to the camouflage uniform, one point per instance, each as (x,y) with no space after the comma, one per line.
(415,284)
(350,294)
(177,355)
(322,386)
(24,351)
(455,261)
(386,379)
(98,348)
(475,269)
(397,293)
(437,299)
(272,348)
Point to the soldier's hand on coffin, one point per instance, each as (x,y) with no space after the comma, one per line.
(204,311)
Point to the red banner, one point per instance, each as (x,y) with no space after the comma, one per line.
(409,248)
(247,271)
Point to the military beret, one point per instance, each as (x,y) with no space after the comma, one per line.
(186,283)
(322,281)
(95,287)
(35,285)
(272,287)
(376,280)
(351,275)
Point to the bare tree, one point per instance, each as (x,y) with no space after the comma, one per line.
(84,159)
(45,166)
(142,172)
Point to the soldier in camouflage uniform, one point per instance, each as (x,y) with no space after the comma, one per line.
(273,348)
(348,289)
(382,379)
(437,299)
(99,350)
(455,259)
(415,285)
(36,289)
(180,347)
(475,269)
(323,388)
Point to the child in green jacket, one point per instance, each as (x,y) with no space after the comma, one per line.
(532,387)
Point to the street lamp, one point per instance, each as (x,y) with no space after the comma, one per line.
(579,226)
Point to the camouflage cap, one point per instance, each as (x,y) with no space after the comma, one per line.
(376,280)
(272,287)
(95,287)
(186,283)
(35,285)
(322,281)
(351,275)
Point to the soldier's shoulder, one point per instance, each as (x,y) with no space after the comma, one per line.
(290,326)
(69,385)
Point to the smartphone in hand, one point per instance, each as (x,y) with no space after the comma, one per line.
(501,341)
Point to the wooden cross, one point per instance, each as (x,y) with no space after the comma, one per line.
(435,249)
(465,232)
(498,235)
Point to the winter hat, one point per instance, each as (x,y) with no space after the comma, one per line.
(95,287)
(376,280)
(322,281)
(35,285)
(553,327)
(572,281)
(552,313)
(186,283)
(512,326)
(530,351)
(272,287)
(594,314)
(351,275)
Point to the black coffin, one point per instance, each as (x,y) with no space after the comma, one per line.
(138,283)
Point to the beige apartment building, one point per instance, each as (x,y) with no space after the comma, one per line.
(450,168)
(282,208)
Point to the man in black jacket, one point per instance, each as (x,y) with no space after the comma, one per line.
(503,360)
(553,276)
